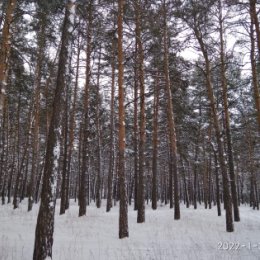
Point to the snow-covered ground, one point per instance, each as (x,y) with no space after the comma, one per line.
(198,235)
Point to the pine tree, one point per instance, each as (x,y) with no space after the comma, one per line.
(45,221)
(123,207)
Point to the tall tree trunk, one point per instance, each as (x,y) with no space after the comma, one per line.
(123,207)
(112,128)
(170,117)
(212,100)
(155,142)
(255,80)
(99,181)
(227,117)
(85,152)
(140,61)
(64,168)
(254,19)
(5,52)
(36,110)
(72,127)
(45,221)
(135,138)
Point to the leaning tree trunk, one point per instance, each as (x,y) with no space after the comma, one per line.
(45,221)
(212,100)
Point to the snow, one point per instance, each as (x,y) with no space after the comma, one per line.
(198,235)
(72,12)
(70,30)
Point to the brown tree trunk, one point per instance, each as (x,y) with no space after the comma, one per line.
(5,52)
(140,60)
(123,217)
(170,117)
(255,81)
(227,118)
(254,19)
(211,97)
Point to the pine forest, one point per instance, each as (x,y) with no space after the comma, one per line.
(129,129)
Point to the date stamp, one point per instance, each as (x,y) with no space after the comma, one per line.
(233,246)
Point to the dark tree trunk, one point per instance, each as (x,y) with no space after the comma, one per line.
(98,166)
(36,110)
(112,146)
(227,118)
(123,207)
(71,130)
(45,221)
(135,137)
(155,142)
(140,59)
(85,135)
(212,100)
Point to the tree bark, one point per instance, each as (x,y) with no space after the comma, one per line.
(123,207)
(5,52)
(112,127)
(227,118)
(99,181)
(255,80)
(84,152)
(45,221)
(140,60)
(170,117)
(36,110)
(211,97)
(155,142)
(72,127)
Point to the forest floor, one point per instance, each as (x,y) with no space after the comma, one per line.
(200,234)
